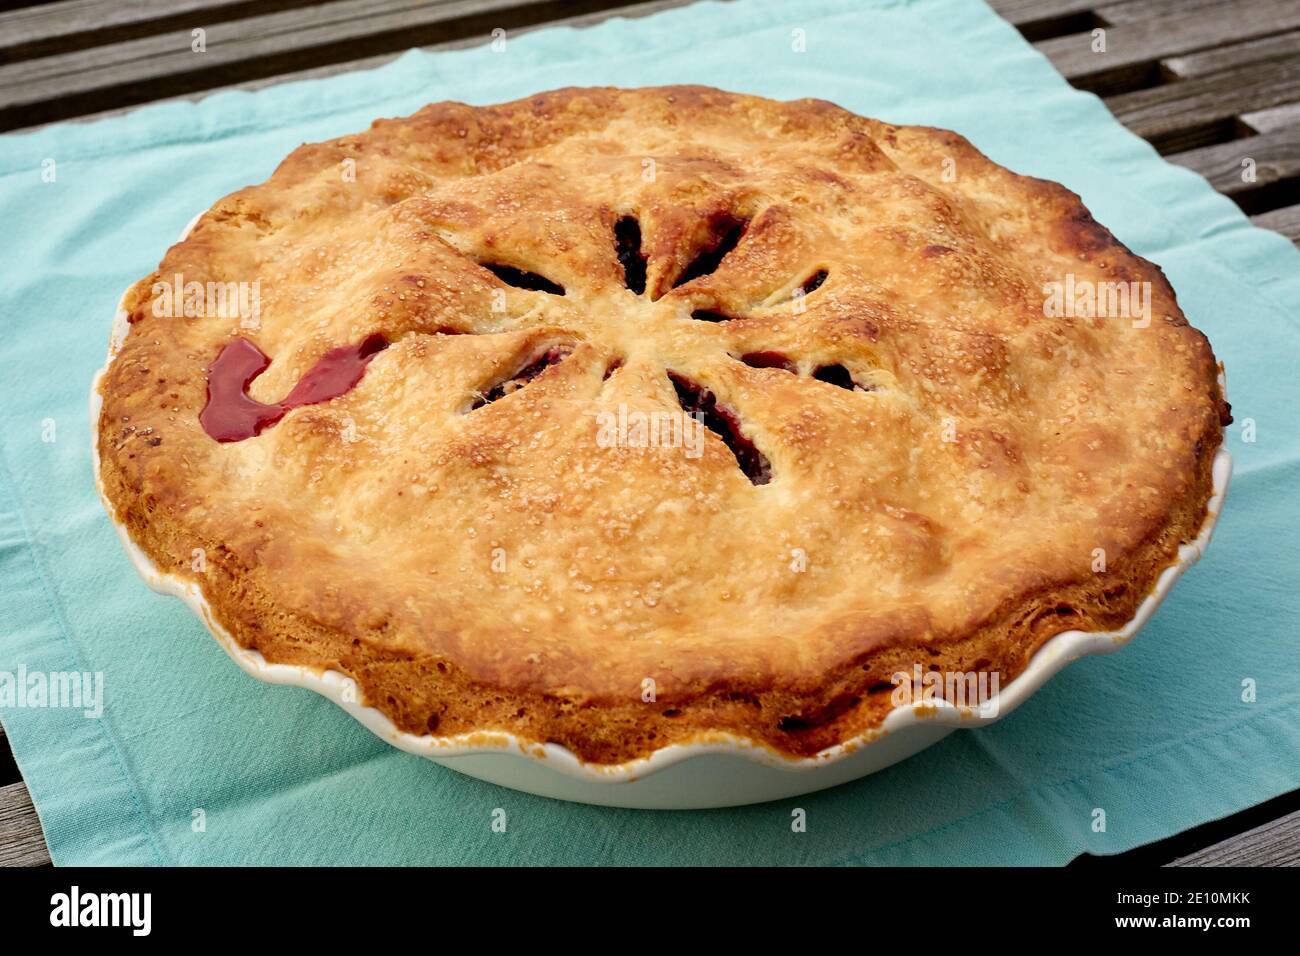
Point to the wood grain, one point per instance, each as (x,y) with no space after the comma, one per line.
(1276,158)
(1276,843)
(1280,47)
(21,841)
(136,71)
(642,9)
(1135,11)
(1285,220)
(76,24)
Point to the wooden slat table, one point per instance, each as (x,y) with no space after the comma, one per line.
(1209,83)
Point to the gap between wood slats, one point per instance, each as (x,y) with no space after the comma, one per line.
(20,4)
(1205,110)
(1259,172)
(1042,19)
(8,766)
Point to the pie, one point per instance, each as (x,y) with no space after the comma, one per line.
(623,418)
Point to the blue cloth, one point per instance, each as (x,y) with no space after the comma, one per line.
(1158,736)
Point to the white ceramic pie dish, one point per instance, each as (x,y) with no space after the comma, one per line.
(722,770)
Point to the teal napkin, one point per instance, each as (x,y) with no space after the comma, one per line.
(194,762)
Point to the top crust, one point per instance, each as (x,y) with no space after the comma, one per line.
(1001,474)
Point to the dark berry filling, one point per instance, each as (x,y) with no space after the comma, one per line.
(722,421)
(708,315)
(627,242)
(725,236)
(768,360)
(521,279)
(498,390)
(814,281)
(834,375)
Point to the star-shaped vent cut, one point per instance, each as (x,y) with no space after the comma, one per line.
(670,304)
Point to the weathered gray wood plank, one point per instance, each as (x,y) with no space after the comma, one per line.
(21,840)
(76,24)
(1135,11)
(1276,843)
(1196,112)
(646,8)
(1276,157)
(1286,221)
(1132,50)
(1021,12)
(154,67)
(1234,55)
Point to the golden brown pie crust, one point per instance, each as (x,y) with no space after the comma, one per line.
(497,568)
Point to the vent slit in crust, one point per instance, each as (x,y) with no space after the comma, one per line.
(627,243)
(835,375)
(814,281)
(769,360)
(697,400)
(511,384)
(709,315)
(726,234)
(522,279)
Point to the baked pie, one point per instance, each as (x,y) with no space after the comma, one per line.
(622,418)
